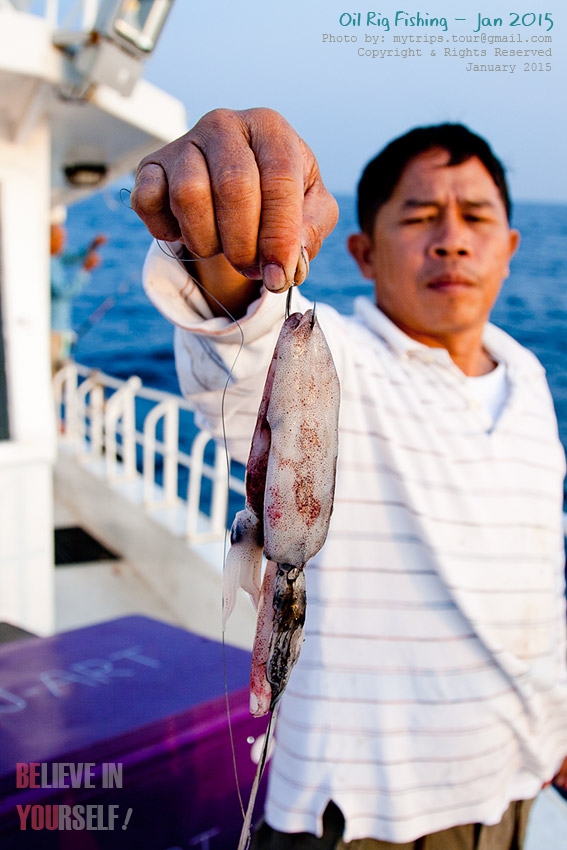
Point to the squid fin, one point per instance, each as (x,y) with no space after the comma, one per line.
(243,563)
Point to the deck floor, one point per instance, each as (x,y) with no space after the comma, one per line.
(88,593)
(548,823)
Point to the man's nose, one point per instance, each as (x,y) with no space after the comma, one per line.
(450,238)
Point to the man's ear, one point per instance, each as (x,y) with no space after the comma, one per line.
(514,245)
(514,241)
(360,247)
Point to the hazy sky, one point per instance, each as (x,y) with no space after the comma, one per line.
(253,52)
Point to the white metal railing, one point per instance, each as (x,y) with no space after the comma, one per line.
(96,416)
(96,419)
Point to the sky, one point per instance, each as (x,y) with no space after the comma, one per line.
(347,106)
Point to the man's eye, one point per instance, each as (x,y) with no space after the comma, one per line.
(417,219)
(472,217)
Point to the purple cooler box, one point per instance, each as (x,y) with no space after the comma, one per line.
(135,709)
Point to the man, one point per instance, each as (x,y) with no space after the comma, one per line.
(69,274)
(429,703)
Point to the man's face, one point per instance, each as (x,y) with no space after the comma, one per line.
(439,251)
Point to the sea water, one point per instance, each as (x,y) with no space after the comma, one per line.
(122,334)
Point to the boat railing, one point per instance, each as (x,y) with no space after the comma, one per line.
(97,419)
(129,435)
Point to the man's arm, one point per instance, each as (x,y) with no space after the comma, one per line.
(245,185)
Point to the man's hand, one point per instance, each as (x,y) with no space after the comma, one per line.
(242,184)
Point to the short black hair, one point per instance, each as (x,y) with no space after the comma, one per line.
(382,174)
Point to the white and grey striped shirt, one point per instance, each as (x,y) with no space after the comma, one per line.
(432,688)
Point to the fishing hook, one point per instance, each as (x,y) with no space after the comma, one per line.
(314,315)
(288,302)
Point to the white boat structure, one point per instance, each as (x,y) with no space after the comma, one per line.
(74,115)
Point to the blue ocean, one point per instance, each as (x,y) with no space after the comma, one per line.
(121,333)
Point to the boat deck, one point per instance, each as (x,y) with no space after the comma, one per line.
(548,823)
(89,592)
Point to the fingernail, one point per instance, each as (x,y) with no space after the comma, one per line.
(252,272)
(273,277)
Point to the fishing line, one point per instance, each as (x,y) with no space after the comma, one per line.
(124,204)
(246,834)
(227,460)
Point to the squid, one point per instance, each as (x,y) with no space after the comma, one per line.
(290,483)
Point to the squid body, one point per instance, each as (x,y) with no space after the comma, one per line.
(290,482)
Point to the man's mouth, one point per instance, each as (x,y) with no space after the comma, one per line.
(450,283)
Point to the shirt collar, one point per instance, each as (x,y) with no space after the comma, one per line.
(400,343)
(502,347)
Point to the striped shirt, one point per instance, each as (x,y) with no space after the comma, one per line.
(432,687)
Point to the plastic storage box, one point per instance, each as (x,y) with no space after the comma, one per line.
(116,736)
